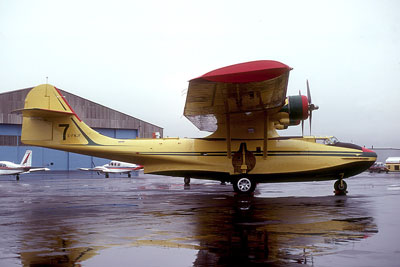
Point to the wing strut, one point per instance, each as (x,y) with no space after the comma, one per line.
(228,135)
(265,145)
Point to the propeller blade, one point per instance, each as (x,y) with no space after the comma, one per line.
(310,120)
(308,93)
(302,127)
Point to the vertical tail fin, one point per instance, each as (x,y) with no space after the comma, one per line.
(27,159)
(49,121)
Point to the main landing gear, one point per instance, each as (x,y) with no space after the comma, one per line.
(340,187)
(244,185)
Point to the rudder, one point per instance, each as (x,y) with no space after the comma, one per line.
(27,159)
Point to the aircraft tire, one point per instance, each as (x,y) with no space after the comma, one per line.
(107,176)
(339,187)
(244,185)
(129,175)
(186,180)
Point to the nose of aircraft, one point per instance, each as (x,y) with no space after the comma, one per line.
(369,153)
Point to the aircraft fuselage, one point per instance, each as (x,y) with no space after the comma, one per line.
(286,160)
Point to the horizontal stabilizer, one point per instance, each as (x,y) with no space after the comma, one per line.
(47,113)
(38,170)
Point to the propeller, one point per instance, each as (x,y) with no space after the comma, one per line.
(311,106)
(302,121)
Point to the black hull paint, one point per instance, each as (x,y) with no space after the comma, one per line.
(334,173)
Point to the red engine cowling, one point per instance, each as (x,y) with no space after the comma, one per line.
(297,108)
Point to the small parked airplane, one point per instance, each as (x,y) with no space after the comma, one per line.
(115,167)
(243,105)
(10,168)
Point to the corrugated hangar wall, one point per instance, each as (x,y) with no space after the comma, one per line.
(103,119)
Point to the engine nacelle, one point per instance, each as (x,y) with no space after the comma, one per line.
(293,112)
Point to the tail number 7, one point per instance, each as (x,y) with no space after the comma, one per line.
(66,126)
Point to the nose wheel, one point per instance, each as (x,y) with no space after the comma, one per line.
(244,185)
(340,187)
(186,180)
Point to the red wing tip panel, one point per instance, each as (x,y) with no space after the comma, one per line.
(253,71)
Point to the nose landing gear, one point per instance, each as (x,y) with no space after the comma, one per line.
(186,180)
(340,187)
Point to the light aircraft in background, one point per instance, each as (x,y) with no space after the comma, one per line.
(10,168)
(243,105)
(115,167)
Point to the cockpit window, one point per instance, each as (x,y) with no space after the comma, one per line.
(331,141)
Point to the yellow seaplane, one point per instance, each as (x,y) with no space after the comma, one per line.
(243,105)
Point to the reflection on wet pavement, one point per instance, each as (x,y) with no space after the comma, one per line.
(73,220)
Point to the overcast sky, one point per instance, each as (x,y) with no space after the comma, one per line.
(137,56)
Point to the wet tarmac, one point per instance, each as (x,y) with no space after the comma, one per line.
(79,219)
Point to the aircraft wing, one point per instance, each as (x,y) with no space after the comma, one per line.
(123,169)
(37,169)
(116,171)
(241,88)
(95,169)
(106,170)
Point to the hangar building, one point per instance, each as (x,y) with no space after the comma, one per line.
(102,119)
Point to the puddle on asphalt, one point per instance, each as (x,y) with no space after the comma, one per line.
(179,228)
(204,231)
(142,256)
(393,187)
